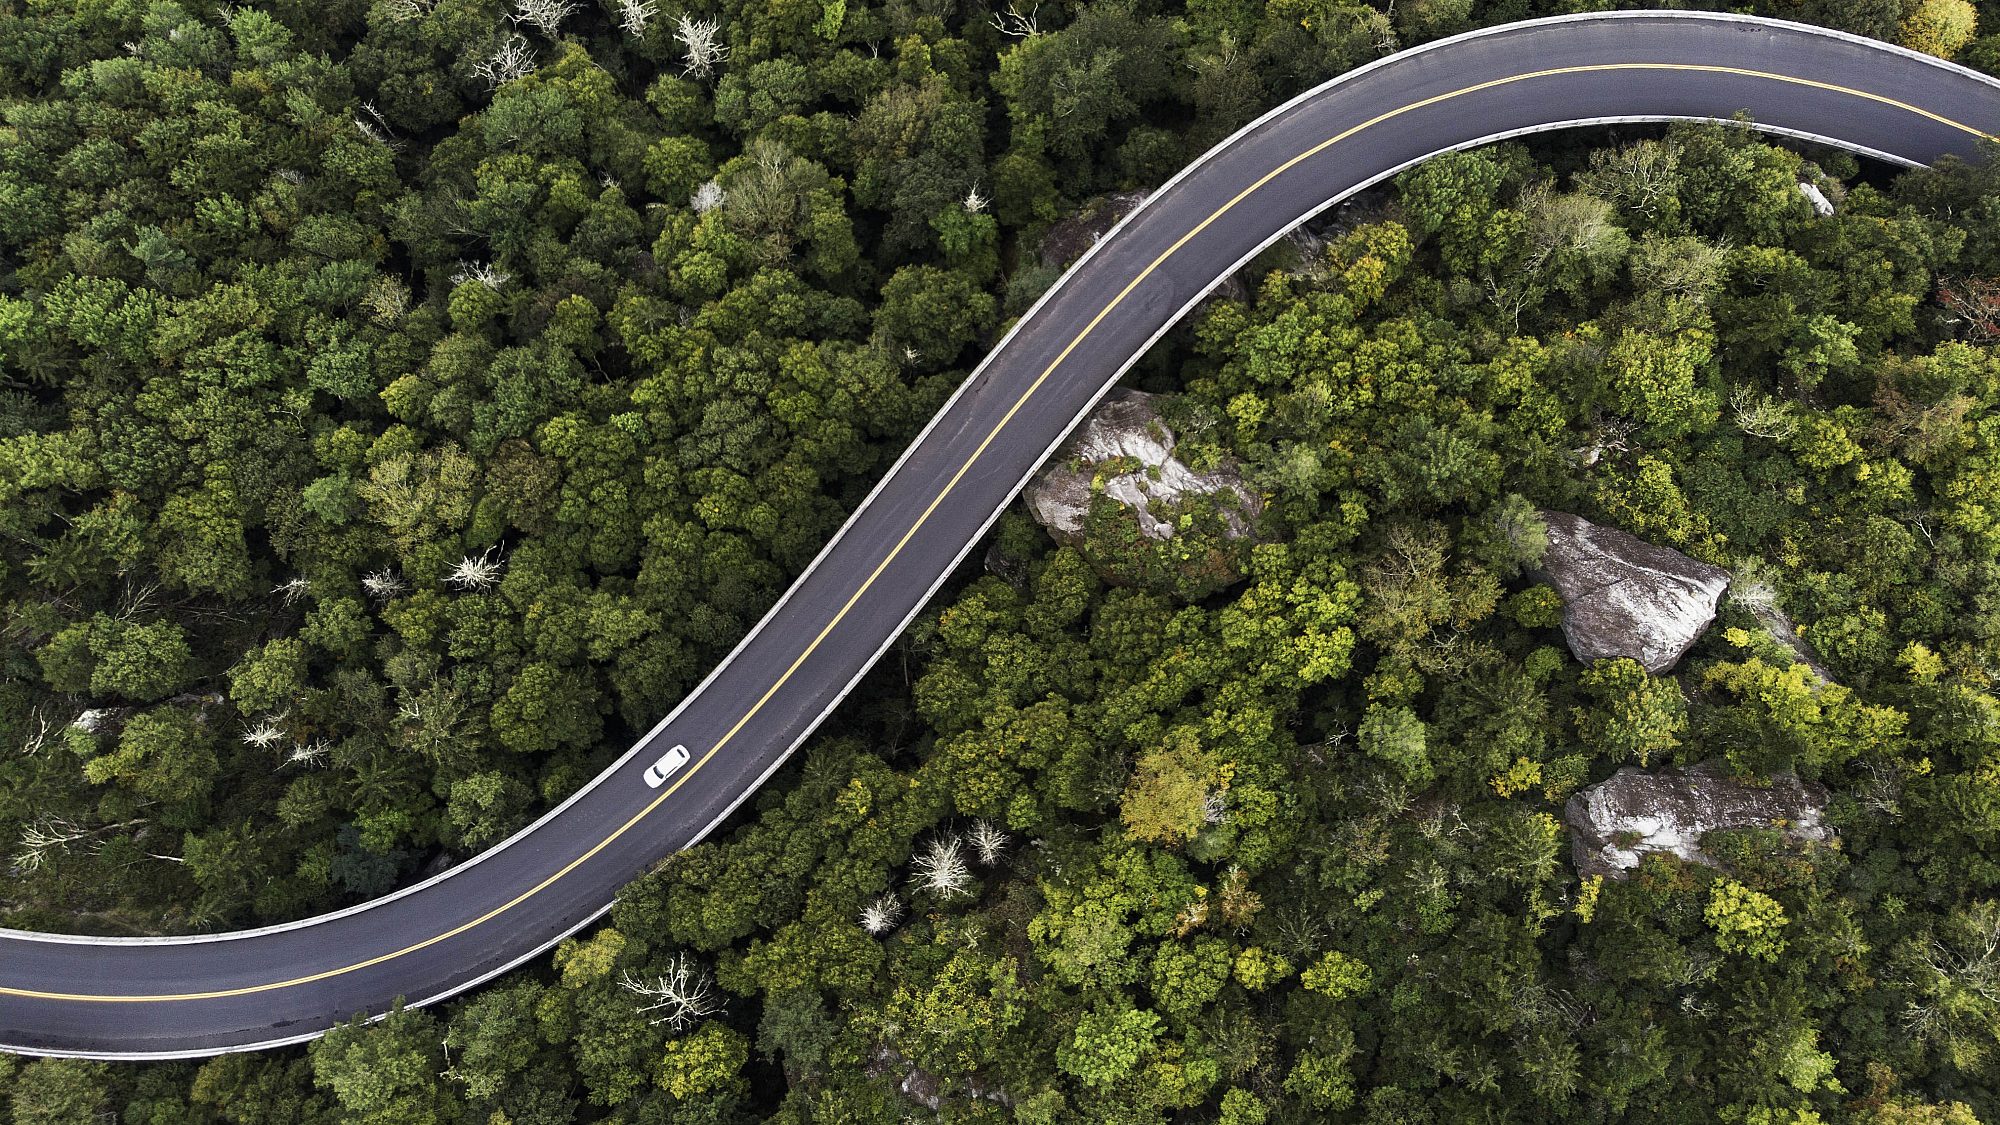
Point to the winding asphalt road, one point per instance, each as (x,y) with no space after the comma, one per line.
(183,997)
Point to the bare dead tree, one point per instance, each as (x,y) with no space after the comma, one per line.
(989,843)
(50,834)
(1214,807)
(138,598)
(545,16)
(264,733)
(388,299)
(1236,902)
(1014,25)
(683,995)
(1611,437)
(53,834)
(514,58)
(376,128)
(477,572)
(1190,917)
(291,591)
(1883,791)
(708,197)
(402,11)
(1974,303)
(1955,976)
(882,913)
(1639,177)
(701,40)
(941,868)
(485,273)
(308,753)
(1761,415)
(1386,42)
(39,729)
(1510,301)
(383,584)
(633,15)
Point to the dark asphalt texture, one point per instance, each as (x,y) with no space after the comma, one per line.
(212,1025)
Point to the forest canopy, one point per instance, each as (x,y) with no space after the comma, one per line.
(403,403)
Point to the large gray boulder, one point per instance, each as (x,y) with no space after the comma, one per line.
(1623,596)
(1127,429)
(1617,822)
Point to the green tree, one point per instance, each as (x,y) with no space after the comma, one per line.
(1166,800)
(60,1092)
(1072,87)
(166,754)
(142,662)
(710,1060)
(1108,1045)
(1338,976)
(1939,27)
(929,315)
(1745,921)
(1636,716)
(390,1071)
(1397,736)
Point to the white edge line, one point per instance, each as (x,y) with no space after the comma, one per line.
(950,401)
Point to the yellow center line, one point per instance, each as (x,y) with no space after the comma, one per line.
(953,483)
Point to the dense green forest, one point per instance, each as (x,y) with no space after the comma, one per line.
(402,403)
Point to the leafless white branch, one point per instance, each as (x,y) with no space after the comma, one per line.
(39,729)
(941,868)
(708,197)
(1014,25)
(265,733)
(383,584)
(882,913)
(989,843)
(485,273)
(514,58)
(683,995)
(633,16)
(308,753)
(705,51)
(50,834)
(545,16)
(477,572)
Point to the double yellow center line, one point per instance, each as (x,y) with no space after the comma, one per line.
(953,483)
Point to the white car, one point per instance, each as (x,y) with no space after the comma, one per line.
(658,772)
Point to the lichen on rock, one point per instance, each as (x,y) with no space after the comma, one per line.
(1623,596)
(1139,513)
(1619,821)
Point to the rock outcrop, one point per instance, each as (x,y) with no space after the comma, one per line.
(1137,512)
(1617,822)
(1623,596)
(1066,241)
(1127,429)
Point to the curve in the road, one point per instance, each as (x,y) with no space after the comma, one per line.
(193,996)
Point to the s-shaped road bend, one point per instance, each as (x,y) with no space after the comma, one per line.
(193,996)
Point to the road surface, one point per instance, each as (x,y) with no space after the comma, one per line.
(183,997)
